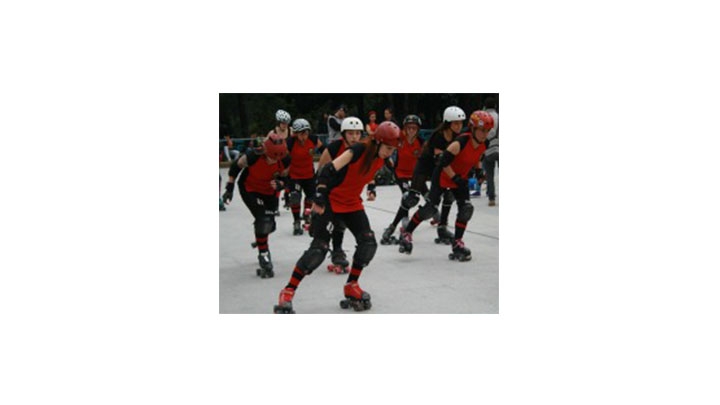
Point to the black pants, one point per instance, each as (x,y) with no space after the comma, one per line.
(259,204)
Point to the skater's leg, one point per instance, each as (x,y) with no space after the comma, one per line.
(448,200)
(315,254)
(465,212)
(358,223)
(338,234)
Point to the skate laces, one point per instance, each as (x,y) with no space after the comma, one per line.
(459,243)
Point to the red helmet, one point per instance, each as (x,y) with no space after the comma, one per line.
(275,147)
(388,133)
(481,119)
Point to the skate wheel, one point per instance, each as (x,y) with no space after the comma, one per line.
(344,304)
(438,241)
(451,256)
(257,272)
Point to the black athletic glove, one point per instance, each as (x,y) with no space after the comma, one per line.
(320,199)
(371,188)
(228,195)
(280,183)
(459,181)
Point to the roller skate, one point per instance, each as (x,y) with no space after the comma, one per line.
(266,266)
(460,252)
(222,206)
(355,297)
(388,238)
(405,242)
(284,305)
(444,236)
(297,229)
(339,262)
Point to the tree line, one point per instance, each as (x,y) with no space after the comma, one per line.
(242,114)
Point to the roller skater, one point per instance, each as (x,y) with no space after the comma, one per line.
(337,200)
(339,262)
(409,149)
(283,130)
(355,297)
(284,305)
(266,266)
(350,132)
(301,148)
(453,118)
(262,175)
(459,251)
(452,172)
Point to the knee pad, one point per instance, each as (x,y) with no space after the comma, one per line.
(410,199)
(264,225)
(313,257)
(426,211)
(366,248)
(465,212)
(448,198)
(294,198)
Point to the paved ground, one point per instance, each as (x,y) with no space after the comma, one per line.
(422,283)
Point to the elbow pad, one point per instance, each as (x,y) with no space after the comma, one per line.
(446,158)
(326,173)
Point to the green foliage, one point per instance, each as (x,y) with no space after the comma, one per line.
(247,113)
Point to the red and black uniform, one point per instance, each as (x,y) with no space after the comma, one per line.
(343,203)
(258,195)
(408,154)
(302,170)
(335,149)
(461,164)
(427,161)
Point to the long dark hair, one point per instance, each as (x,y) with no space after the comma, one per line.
(371,150)
(439,130)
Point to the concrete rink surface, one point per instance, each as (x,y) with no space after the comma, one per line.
(425,282)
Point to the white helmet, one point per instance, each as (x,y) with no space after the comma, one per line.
(282,116)
(300,124)
(453,114)
(351,123)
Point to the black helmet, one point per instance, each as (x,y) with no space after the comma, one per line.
(412,119)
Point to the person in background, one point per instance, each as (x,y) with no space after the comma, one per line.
(227,149)
(444,134)
(372,124)
(301,150)
(282,125)
(492,153)
(259,176)
(408,152)
(334,123)
(388,114)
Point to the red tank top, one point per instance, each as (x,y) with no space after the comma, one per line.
(463,162)
(301,157)
(408,154)
(260,174)
(345,197)
(373,126)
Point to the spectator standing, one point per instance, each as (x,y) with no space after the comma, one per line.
(492,153)
(334,123)
(372,124)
